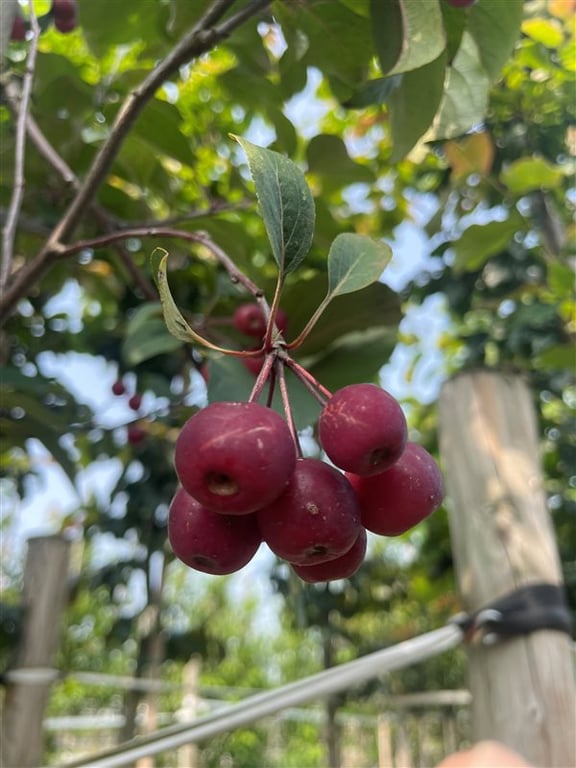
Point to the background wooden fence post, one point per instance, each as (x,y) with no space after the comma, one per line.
(44,597)
(502,538)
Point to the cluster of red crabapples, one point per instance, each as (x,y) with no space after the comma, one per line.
(135,433)
(63,14)
(244,481)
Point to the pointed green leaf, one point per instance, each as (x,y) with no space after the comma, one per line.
(407,33)
(354,262)
(465,95)
(425,87)
(286,204)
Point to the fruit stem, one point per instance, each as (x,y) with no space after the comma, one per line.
(310,382)
(303,335)
(262,377)
(271,387)
(287,408)
(271,317)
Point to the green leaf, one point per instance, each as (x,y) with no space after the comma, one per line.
(147,335)
(355,358)
(160,124)
(376,306)
(546,31)
(530,173)
(286,204)
(407,33)
(480,241)
(465,95)
(375,91)
(328,157)
(355,262)
(425,87)
(495,26)
(173,318)
(229,380)
(557,357)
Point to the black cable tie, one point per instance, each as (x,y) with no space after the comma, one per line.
(527,609)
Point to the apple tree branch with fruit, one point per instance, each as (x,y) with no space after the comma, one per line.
(243,477)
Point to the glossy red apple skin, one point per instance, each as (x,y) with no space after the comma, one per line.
(342,567)
(363,429)
(316,519)
(235,457)
(209,542)
(401,497)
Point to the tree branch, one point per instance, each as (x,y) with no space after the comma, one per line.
(201,39)
(9,229)
(200,238)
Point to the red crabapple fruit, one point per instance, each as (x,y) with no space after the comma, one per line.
(118,388)
(208,542)
(253,364)
(316,519)
(135,434)
(18,32)
(396,500)
(250,320)
(340,568)
(64,12)
(235,458)
(135,401)
(362,429)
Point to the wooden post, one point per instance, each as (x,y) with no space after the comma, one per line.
(384,743)
(188,754)
(44,597)
(502,538)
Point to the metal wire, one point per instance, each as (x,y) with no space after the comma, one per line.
(261,705)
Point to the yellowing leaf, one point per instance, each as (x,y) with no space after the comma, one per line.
(546,31)
(471,154)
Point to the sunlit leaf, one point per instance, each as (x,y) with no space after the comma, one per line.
(286,204)
(466,93)
(546,31)
(355,262)
(531,173)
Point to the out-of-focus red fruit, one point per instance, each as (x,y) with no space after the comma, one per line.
(136,434)
(340,568)
(207,541)
(402,496)
(135,401)
(118,388)
(249,319)
(316,519)
(65,15)
(253,364)
(19,29)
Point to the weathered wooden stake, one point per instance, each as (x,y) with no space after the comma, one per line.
(502,538)
(44,597)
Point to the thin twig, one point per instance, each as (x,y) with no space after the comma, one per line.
(201,39)
(105,220)
(201,238)
(9,230)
